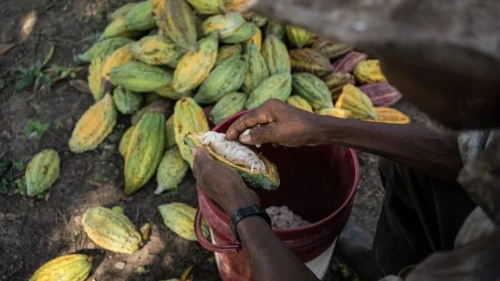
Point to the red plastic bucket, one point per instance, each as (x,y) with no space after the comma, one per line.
(317,183)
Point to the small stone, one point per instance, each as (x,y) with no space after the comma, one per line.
(120,265)
(2,216)
(77,219)
(90,245)
(11,216)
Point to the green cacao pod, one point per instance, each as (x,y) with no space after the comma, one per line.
(276,56)
(140,77)
(226,77)
(42,172)
(226,52)
(245,32)
(126,101)
(95,78)
(194,67)
(157,50)
(188,117)
(329,49)
(125,140)
(170,133)
(111,230)
(144,151)
(117,28)
(257,69)
(313,89)
(123,10)
(178,21)
(169,92)
(310,60)
(141,17)
(162,106)
(258,20)
(299,102)
(255,169)
(179,218)
(94,125)
(74,267)
(354,100)
(227,106)
(103,48)
(208,7)
(298,37)
(171,171)
(278,86)
(275,28)
(224,25)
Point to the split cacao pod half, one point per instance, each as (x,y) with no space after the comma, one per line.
(171,171)
(313,89)
(381,94)
(347,63)
(354,100)
(73,267)
(179,218)
(299,102)
(42,171)
(228,106)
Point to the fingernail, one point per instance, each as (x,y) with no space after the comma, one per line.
(194,151)
(246,139)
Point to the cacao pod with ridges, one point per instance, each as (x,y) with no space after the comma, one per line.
(329,49)
(244,33)
(103,49)
(336,81)
(170,133)
(369,71)
(309,60)
(157,50)
(347,63)
(276,56)
(178,21)
(122,11)
(257,69)
(278,86)
(171,171)
(140,77)
(224,25)
(313,89)
(336,112)
(381,94)
(119,57)
(117,28)
(179,218)
(227,106)
(95,78)
(354,100)
(226,52)
(126,101)
(42,171)
(208,7)
(299,102)
(298,36)
(141,17)
(73,267)
(125,140)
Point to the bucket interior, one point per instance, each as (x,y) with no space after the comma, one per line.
(315,181)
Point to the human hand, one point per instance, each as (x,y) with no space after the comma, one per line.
(221,183)
(280,123)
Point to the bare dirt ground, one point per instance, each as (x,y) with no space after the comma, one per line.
(33,231)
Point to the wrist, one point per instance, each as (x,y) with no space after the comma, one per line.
(242,198)
(330,129)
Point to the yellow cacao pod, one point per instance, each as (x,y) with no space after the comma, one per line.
(369,71)
(178,21)
(157,50)
(94,126)
(117,58)
(336,112)
(257,68)
(276,56)
(95,78)
(224,25)
(171,171)
(298,37)
(42,171)
(390,115)
(188,117)
(236,5)
(103,49)
(123,146)
(226,52)
(117,28)
(74,267)
(122,11)
(140,77)
(144,152)
(194,67)
(111,230)
(170,133)
(208,7)
(354,100)
(126,101)
(179,218)
(256,39)
(299,102)
(141,17)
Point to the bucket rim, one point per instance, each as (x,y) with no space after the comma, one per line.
(219,212)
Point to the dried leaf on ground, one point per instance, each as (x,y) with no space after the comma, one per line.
(4,48)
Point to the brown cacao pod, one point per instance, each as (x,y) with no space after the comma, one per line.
(309,60)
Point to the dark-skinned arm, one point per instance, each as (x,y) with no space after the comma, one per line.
(416,146)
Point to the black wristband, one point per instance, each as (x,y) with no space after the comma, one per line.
(254,210)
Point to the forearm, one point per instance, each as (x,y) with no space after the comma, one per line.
(415,146)
(269,259)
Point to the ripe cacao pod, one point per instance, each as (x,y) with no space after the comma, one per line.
(354,100)
(157,50)
(117,28)
(122,11)
(169,92)
(243,33)
(278,86)
(95,78)
(255,169)
(103,48)
(369,71)
(336,81)
(171,171)
(188,117)
(329,49)
(299,102)
(226,77)
(276,56)
(227,106)
(313,89)
(94,126)
(255,39)
(224,25)
(124,142)
(298,36)
(226,52)
(119,57)
(141,17)
(236,5)
(390,115)
(309,60)
(275,29)
(73,267)
(336,112)
(257,69)
(170,133)
(194,67)
(111,230)
(179,218)
(163,106)
(381,94)
(126,101)
(178,21)
(158,7)
(42,171)
(208,7)
(144,151)
(140,77)
(259,20)
(347,63)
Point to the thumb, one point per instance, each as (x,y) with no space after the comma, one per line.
(201,158)
(260,134)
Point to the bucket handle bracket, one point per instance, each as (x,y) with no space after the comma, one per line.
(232,248)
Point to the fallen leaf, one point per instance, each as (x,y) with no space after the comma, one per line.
(80,85)
(4,48)
(187,274)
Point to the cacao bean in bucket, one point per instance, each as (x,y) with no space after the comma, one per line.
(317,183)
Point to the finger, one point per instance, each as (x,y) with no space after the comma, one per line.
(261,134)
(201,160)
(251,119)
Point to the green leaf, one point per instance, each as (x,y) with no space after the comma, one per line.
(37,66)
(23,82)
(35,129)
(20,185)
(47,82)
(37,82)
(49,56)
(19,165)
